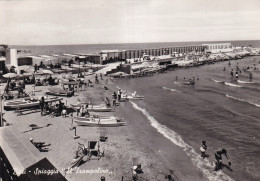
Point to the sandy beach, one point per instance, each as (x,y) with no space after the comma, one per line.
(137,139)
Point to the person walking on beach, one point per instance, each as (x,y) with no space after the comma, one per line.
(236,74)
(42,103)
(203,149)
(35,68)
(114,99)
(119,95)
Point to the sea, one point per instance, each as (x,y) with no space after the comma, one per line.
(220,109)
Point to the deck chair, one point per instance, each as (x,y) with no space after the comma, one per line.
(137,168)
(103,134)
(93,148)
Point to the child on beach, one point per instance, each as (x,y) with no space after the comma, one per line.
(203,149)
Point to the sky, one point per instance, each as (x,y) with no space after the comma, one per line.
(56,22)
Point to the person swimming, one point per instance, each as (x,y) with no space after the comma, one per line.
(218,156)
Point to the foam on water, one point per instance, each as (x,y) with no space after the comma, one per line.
(243,100)
(232,85)
(217,81)
(173,90)
(203,164)
(244,82)
(177,83)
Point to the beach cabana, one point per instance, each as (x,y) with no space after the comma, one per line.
(20,160)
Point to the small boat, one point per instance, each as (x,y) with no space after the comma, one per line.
(27,103)
(99,122)
(94,108)
(59,92)
(100,108)
(131,96)
(96,118)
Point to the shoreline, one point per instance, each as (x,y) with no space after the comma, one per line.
(118,159)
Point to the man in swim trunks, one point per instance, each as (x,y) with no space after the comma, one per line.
(218,154)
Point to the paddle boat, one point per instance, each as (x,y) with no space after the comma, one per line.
(27,102)
(131,96)
(99,122)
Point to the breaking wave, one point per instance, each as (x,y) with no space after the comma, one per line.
(177,83)
(243,100)
(173,90)
(217,81)
(244,82)
(203,164)
(232,85)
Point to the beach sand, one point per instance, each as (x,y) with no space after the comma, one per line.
(137,139)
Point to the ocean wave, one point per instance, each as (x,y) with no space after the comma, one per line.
(173,90)
(243,100)
(217,81)
(203,164)
(177,83)
(245,82)
(232,85)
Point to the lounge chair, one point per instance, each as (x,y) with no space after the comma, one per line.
(92,149)
(137,168)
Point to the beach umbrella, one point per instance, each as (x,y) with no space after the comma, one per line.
(10,75)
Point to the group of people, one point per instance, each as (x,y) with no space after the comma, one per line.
(59,108)
(83,111)
(217,153)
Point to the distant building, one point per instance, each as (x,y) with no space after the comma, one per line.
(11,57)
(130,54)
(218,47)
(107,56)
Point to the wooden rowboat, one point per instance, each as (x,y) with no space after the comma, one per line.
(26,103)
(98,122)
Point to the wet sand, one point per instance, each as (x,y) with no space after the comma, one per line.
(158,156)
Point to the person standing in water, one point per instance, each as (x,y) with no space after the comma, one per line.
(236,74)
(203,149)
(231,73)
(250,76)
(218,157)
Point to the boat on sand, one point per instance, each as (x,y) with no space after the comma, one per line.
(94,108)
(27,102)
(59,92)
(99,122)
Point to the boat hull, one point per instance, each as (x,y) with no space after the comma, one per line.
(24,104)
(132,98)
(100,124)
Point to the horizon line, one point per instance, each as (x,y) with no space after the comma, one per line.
(121,43)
